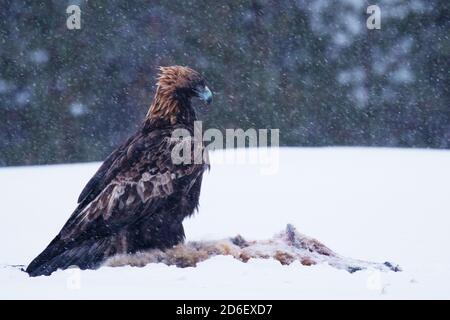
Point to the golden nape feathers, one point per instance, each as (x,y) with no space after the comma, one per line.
(175,86)
(170,78)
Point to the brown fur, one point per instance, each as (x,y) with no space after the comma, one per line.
(287,247)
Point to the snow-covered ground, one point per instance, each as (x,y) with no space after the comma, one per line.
(371,204)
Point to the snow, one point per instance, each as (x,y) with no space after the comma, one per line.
(39,56)
(77,109)
(366,203)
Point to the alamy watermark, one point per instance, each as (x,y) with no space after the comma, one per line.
(373,22)
(73,281)
(252,146)
(73,21)
(375,281)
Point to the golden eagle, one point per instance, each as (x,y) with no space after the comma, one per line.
(138,198)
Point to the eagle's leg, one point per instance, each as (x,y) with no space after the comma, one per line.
(163,228)
(156,232)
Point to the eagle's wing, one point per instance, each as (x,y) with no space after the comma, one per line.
(142,174)
(120,159)
(133,181)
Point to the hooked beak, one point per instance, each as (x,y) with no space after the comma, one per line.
(205,94)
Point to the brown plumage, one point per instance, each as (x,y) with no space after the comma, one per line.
(169,80)
(139,196)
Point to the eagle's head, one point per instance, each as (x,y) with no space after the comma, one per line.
(175,87)
(183,83)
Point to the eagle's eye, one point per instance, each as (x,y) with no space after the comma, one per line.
(202,91)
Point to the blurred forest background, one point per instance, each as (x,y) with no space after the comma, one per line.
(310,68)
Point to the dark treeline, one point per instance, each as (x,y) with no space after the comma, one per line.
(310,68)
